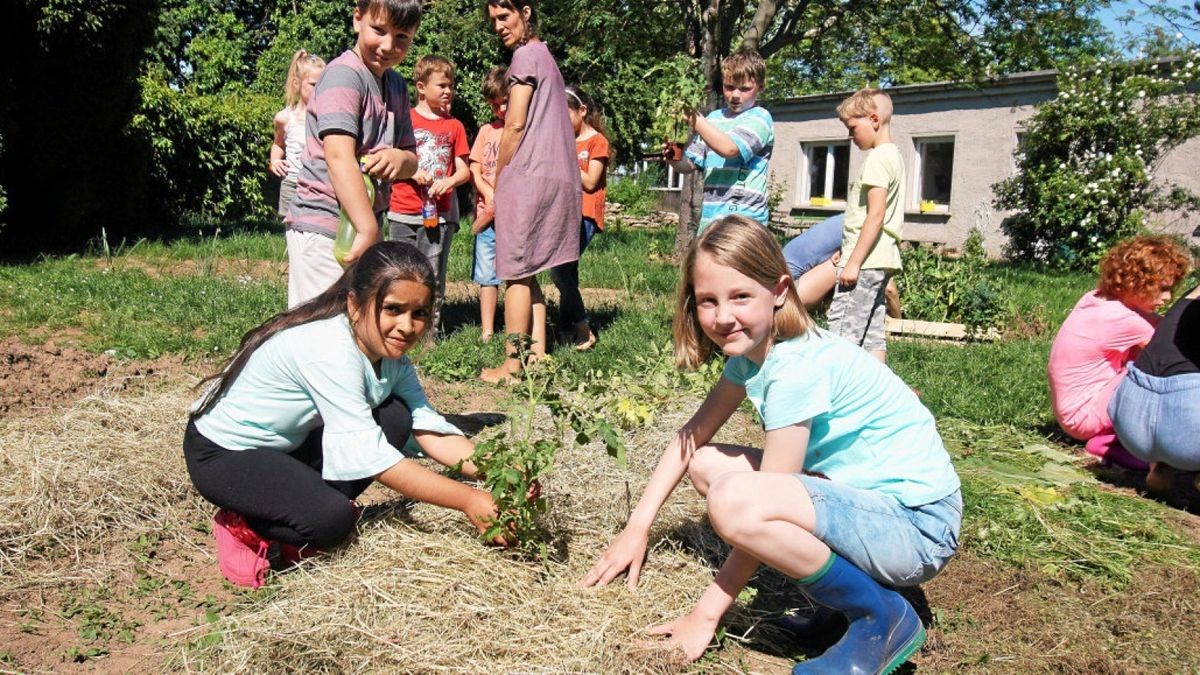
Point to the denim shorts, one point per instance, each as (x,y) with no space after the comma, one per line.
(1158,418)
(897,545)
(484,272)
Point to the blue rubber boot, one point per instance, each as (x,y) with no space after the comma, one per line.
(884,629)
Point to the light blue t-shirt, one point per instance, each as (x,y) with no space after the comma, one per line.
(869,430)
(315,374)
(737,184)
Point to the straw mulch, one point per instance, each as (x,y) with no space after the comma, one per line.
(415,592)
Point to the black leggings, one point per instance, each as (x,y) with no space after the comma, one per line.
(282,494)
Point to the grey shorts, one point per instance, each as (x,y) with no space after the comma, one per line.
(287,192)
(858,313)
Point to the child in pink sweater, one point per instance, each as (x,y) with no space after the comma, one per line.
(1106,330)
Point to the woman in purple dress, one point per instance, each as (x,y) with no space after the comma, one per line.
(538,192)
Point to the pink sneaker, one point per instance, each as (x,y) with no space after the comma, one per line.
(1109,449)
(241,552)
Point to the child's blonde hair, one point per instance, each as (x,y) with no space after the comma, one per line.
(864,102)
(744,64)
(302,64)
(747,247)
(428,65)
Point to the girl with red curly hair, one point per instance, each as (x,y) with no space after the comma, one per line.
(1104,332)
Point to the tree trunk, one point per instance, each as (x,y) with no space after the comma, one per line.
(691,200)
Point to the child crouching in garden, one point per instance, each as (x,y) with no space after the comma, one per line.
(890,508)
(318,402)
(1104,332)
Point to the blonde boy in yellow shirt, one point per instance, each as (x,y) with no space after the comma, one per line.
(874,219)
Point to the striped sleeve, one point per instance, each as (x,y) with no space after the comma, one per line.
(754,132)
(339,101)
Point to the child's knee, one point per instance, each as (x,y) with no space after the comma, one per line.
(395,419)
(730,509)
(703,468)
(331,523)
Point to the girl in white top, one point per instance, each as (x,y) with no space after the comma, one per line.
(303,73)
(317,403)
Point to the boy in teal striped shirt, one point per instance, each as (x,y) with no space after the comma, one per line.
(733,145)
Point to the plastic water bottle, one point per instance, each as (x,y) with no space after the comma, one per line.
(429,211)
(346,232)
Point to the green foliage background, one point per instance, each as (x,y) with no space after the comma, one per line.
(143,116)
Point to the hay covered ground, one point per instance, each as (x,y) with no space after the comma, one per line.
(107,562)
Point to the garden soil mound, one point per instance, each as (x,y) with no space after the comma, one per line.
(46,376)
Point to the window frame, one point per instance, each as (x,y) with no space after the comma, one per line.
(920,148)
(803,194)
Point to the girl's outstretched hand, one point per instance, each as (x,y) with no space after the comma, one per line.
(689,634)
(481,510)
(626,552)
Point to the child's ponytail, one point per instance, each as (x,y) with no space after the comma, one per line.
(302,63)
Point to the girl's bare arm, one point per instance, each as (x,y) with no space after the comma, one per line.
(629,548)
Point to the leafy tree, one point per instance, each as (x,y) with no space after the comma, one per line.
(1088,159)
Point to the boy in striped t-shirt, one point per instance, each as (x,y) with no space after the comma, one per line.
(357,122)
(733,145)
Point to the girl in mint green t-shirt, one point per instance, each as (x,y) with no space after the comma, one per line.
(853,488)
(317,403)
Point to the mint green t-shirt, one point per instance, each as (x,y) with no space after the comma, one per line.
(883,167)
(869,430)
(315,375)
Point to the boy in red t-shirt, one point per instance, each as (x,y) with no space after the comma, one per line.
(442,160)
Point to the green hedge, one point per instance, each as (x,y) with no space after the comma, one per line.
(209,152)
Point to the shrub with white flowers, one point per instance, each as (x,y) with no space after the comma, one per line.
(1088,158)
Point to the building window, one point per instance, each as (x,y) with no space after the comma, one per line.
(933,174)
(825,173)
(666,178)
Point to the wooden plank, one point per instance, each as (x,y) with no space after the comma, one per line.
(935,329)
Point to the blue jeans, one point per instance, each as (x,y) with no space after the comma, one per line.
(1158,418)
(897,545)
(571,311)
(484,267)
(816,245)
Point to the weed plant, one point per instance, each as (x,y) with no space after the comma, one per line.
(635,192)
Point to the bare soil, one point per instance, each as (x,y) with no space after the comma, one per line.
(39,378)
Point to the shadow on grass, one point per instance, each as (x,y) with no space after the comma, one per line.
(458,315)
(473,423)
(1182,495)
